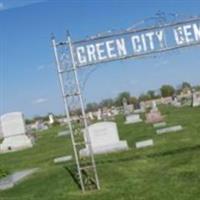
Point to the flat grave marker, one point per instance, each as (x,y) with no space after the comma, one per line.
(144,143)
(169,129)
(132,119)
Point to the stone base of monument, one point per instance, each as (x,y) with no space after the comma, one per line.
(154,117)
(120,146)
(196,103)
(132,119)
(15,143)
(176,104)
(138,111)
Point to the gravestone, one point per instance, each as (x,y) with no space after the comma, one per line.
(139,111)
(14,133)
(40,126)
(154,116)
(63,133)
(104,138)
(145,143)
(90,116)
(128,108)
(99,115)
(154,106)
(161,124)
(115,111)
(142,106)
(134,118)
(195,100)
(62,159)
(175,102)
(169,129)
(51,119)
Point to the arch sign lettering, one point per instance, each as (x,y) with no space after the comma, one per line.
(136,43)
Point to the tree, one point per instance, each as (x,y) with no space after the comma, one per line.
(144,97)
(133,100)
(107,103)
(167,90)
(197,88)
(91,107)
(186,85)
(121,96)
(151,94)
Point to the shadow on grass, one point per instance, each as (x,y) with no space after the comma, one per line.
(71,167)
(73,173)
(88,179)
(175,151)
(152,155)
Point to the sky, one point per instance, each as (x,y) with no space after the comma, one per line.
(28,78)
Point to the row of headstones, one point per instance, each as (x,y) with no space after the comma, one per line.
(104,138)
(162,128)
(132,114)
(154,117)
(194,101)
(104,135)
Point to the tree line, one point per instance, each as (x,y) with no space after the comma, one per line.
(165,90)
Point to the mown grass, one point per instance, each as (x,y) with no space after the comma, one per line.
(168,171)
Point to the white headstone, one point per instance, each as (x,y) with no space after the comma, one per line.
(154,106)
(104,138)
(176,103)
(142,106)
(134,118)
(195,100)
(63,133)
(169,129)
(14,132)
(62,159)
(145,143)
(51,119)
(90,115)
(138,111)
(13,124)
(115,112)
(99,115)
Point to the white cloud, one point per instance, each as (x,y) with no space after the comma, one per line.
(45,66)
(11,4)
(2,7)
(40,100)
(40,67)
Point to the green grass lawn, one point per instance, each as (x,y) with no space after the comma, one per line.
(168,171)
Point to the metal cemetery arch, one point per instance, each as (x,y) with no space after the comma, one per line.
(133,43)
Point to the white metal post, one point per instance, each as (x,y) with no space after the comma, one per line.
(83,111)
(67,113)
